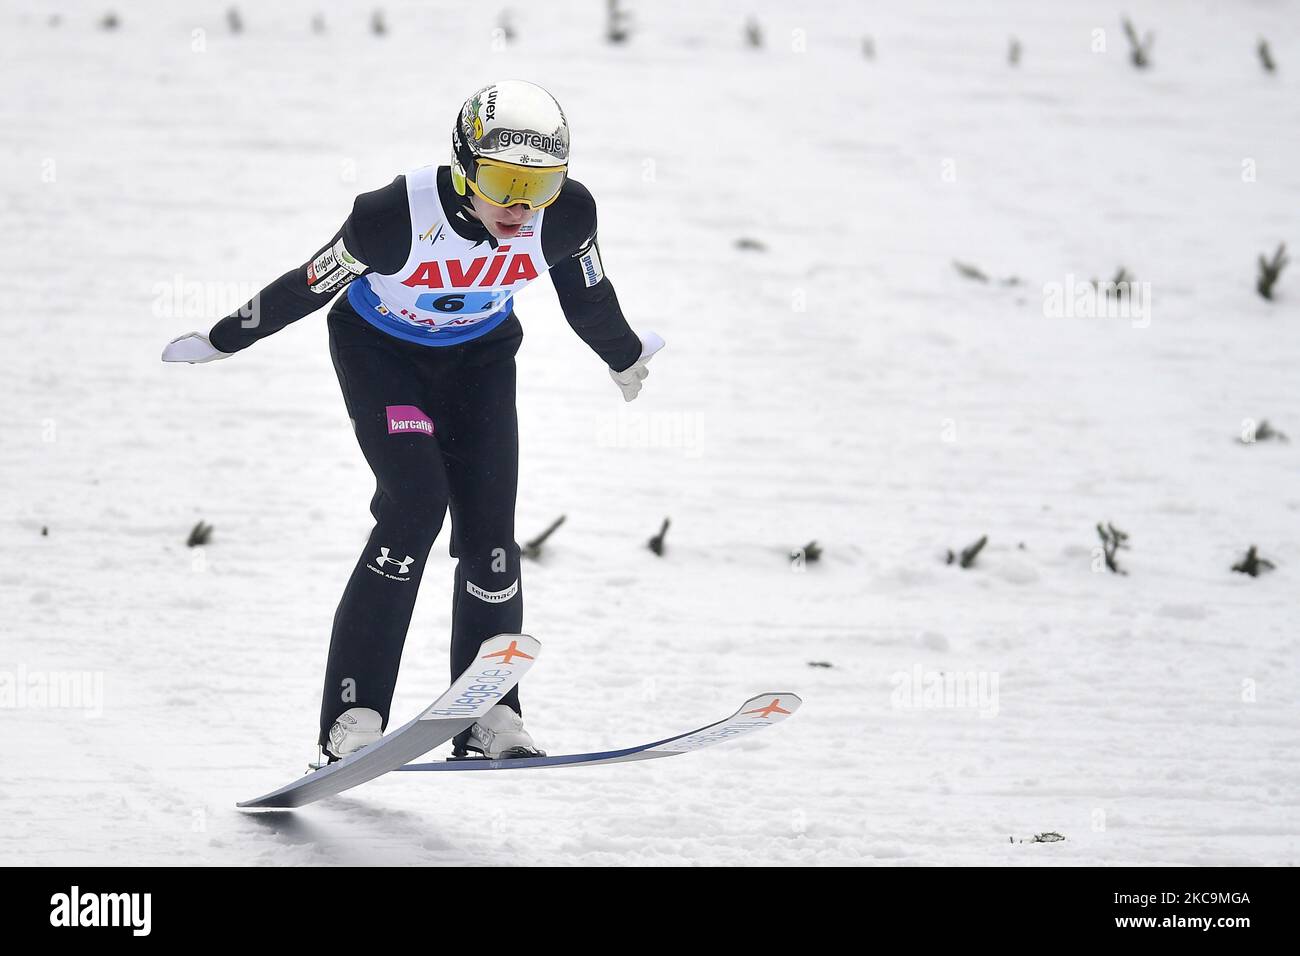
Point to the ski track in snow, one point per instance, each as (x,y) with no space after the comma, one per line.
(807,391)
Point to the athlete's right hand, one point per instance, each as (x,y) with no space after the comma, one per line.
(192,347)
(629,380)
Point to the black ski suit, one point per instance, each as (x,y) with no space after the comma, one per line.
(437,426)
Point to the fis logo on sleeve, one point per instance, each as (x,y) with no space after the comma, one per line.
(589,260)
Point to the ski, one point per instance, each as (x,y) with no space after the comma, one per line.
(501,662)
(754,714)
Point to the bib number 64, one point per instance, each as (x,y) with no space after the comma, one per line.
(456,302)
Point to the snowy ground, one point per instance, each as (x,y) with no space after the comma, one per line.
(846,384)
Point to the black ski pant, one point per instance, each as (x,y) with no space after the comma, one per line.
(438,429)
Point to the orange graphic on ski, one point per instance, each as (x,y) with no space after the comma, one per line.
(772,708)
(510,653)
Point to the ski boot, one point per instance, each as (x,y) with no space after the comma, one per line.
(355,728)
(498,735)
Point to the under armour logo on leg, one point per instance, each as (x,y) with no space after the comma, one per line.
(395,569)
(402,566)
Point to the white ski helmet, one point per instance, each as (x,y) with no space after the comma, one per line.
(510,144)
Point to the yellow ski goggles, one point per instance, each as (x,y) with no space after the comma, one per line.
(504,184)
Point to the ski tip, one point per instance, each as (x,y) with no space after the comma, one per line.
(509,648)
(774,706)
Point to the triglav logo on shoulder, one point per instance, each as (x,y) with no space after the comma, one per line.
(75,909)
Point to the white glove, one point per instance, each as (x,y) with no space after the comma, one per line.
(192,347)
(629,380)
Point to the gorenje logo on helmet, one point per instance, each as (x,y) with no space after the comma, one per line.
(505,138)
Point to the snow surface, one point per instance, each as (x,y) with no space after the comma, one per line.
(844,384)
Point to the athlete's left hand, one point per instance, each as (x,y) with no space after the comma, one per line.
(630,379)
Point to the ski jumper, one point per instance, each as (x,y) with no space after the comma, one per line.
(423,343)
